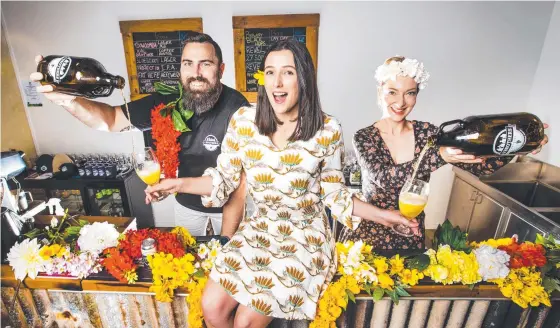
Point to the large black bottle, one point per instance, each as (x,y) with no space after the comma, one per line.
(493,135)
(78,76)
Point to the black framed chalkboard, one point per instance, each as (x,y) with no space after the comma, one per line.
(153,51)
(257,41)
(158,57)
(253,35)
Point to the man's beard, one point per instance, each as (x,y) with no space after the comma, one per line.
(201,101)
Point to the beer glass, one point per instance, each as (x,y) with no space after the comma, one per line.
(147,166)
(412,200)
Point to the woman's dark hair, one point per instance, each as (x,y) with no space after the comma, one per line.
(310,115)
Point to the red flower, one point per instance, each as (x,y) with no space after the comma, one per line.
(119,260)
(525,255)
(118,264)
(166,141)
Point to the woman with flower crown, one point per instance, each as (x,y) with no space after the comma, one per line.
(388,149)
(282,257)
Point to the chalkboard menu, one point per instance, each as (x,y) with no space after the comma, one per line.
(258,40)
(152,50)
(253,36)
(158,57)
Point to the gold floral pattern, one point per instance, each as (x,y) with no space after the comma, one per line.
(291,159)
(282,257)
(228,286)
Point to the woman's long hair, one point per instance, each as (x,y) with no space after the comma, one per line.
(310,115)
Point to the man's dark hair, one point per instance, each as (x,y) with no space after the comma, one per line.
(310,115)
(196,37)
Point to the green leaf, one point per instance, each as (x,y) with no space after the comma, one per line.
(199,274)
(180,87)
(540,239)
(185,113)
(393,295)
(83,222)
(419,262)
(401,291)
(350,295)
(446,234)
(72,231)
(165,89)
(178,121)
(471,286)
(33,233)
(378,294)
(550,284)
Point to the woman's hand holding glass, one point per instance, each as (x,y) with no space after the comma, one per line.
(412,200)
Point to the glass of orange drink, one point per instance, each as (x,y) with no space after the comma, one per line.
(412,200)
(147,166)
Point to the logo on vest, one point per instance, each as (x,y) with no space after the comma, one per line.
(58,68)
(509,140)
(211,143)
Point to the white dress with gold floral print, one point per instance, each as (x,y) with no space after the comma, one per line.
(281,258)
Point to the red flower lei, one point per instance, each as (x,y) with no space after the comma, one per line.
(166,141)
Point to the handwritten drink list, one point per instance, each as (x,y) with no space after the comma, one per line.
(158,57)
(258,40)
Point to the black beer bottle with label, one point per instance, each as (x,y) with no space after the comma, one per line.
(492,135)
(78,76)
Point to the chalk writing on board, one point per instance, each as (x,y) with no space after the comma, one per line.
(158,57)
(257,42)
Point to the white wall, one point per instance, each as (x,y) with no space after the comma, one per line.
(543,99)
(482,57)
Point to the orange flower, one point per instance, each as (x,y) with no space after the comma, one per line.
(525,255)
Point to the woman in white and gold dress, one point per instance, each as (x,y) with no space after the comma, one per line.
(281,258)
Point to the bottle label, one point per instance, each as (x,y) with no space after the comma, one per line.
(509,140)
(59,68)
(101,91)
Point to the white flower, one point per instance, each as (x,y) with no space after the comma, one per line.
(54,222)
(202,251)
(25,260)
(98,236)
(492,262)
(47,228)
(408,67)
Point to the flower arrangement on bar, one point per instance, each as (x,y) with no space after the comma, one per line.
(70,247)
(67,247)
(527,273)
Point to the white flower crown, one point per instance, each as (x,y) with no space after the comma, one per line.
(408,67)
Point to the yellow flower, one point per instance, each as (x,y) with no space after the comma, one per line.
(436,272)
(385,281)
(259,75)
(397,264)
(184,236)
(524,287)
(380,264)
(46,252)
(494,242)
(410,277)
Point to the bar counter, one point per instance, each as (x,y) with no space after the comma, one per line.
(102,301)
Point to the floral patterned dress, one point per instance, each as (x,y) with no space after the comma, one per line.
(282,256)
(383,179)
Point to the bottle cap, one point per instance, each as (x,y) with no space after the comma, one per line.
(148,246)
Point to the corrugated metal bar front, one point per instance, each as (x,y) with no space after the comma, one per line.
(42,308)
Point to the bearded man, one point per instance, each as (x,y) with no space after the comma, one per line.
(213,104)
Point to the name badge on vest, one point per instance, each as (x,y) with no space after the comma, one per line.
(211,143)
